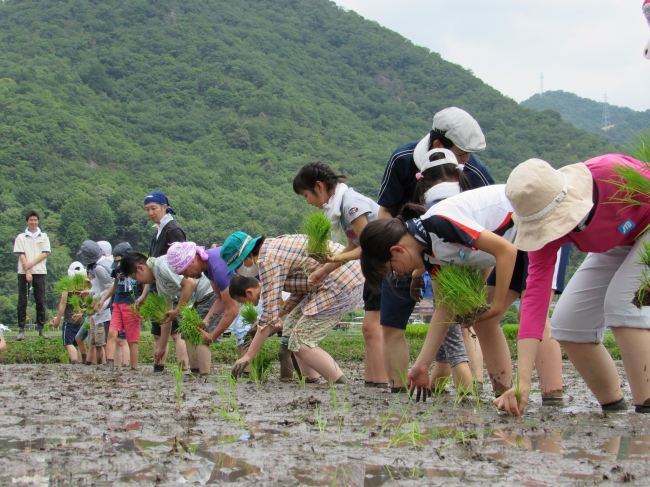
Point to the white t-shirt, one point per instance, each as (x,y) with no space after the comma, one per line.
(353,205)
(450,228)
(168,283)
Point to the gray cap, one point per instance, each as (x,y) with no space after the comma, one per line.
(461,128)
(120,250)
(89,252)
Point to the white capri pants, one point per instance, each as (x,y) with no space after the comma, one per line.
(600,294)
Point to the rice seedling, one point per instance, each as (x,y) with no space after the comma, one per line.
(154,308)
(476,390)
(640,146)
(462,291)
(321,420)
(178,378)
(260,368)
(462,392)
(317,228)
(70,284)
(228,408)
(344,405)
(88,302)
(74,300)
(408,434)
(86,325)
(189,323)
(248,313)
(642,296)
(517,389)
(440,385)
(460,437)
(301,378)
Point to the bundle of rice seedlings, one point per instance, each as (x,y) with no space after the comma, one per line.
(88,302)
(462,291)
(70,284)
(75,301)
(642,296)
(248,313)
(189,323)
(317,228)
(153,308)
(640,146)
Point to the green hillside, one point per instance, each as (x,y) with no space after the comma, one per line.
(218,103)
(588,114)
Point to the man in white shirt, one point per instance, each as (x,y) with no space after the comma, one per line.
(32,248)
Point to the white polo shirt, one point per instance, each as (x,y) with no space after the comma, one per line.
(32,247)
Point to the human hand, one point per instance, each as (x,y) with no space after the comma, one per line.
(417,283)
(316,278)
(418,378)
(28,276)
(248,337)
(138,302)
(159,353)
(489,314)
(83,293)
(56,321)
(99,305)
(240,366)
(76,316)
(508,401)
(170,316)
(28,266)
(207,338)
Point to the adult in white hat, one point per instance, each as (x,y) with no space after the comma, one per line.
(453,129)
(580,203)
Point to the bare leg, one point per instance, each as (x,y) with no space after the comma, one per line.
(396,355)
(495,347)
(92,355)
(123,347)
(306,370)
(156,341)
(441,370)
(462,375)
(634,345)
(111,343)
(204,359)
(374,370)
(321,361)
(72,353)
(181,350)
(192,356)
(133,355)
(474,354)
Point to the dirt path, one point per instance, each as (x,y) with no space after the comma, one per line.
(77,425)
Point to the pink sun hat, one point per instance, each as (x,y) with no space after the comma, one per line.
(181,254)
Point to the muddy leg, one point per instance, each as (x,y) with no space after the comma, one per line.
(374,370)
(396,355)
(634,345)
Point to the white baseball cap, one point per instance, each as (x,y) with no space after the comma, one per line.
(461,128)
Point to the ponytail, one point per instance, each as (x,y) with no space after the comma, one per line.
(315,171)
(438,174)
(375,241)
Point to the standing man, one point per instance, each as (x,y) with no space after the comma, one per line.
(168,231)
(453,129)
(32,248)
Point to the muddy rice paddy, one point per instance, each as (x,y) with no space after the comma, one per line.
(80,425)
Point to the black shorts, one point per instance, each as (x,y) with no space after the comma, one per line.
(519,274)
(396,303)
(560,268)
(371,299)
(155,328)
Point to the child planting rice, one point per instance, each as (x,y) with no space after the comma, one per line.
(169,285)
(216,315)
(124,292)
(66,312)
(579,204)
(310,312)
(350,212)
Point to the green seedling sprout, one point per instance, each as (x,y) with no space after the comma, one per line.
(462,291)
(189,323)
(70,284)
(86,325)
(88,302)
(321,420)
(517,389)
(260,368)
(339,411)
(440,385)
(301,378)
(74,300)
(317,228)
(154,308)
(248,313)
(178,378)
(642,297)
(476,389)
(228,408)
(462,392)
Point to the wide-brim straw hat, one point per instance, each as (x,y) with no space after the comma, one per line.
(548,203)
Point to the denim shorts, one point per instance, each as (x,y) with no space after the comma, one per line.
(396,303)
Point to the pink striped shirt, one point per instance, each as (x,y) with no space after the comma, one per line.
(612,225)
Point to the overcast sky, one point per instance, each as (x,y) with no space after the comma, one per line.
(584,47)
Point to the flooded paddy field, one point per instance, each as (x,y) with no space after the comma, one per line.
(81,425)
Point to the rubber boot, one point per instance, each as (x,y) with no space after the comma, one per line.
(21,334)
(286,365)
(41,334)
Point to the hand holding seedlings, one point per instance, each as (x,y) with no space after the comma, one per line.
(207,338)
(317,277)
(170,316)
(418,378)
(514,400)
(159,353)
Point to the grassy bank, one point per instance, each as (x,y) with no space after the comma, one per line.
(343,346)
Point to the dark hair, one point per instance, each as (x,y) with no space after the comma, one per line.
(31,214)
(239,284)
(440,137)
(130,261)
(311,172)
(258,246)
(438,174)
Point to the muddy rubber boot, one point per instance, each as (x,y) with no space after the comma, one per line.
(286,365)
(643,408)
(620,405)
(21,335)
(42,334)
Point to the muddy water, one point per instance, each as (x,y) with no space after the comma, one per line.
(77,425)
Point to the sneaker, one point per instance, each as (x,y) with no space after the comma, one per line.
(21,336)
(43,335)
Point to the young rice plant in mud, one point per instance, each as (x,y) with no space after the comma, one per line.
(317,228)
(440,385)
(189,324)
(154,308)
(517,389)
(260,368)
(228,408)
(344,405)
(462,291)
(178,378)
(321,420)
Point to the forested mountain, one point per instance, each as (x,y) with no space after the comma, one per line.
(587,114)
(218,103)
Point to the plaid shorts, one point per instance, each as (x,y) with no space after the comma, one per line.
(97,335)
(306,330)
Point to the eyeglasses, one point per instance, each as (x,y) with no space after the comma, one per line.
(460,154)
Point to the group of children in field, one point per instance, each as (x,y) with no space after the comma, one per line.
(437,206)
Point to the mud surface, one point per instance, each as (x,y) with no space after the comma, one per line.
(77,425)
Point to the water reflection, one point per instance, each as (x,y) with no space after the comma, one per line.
(357,475)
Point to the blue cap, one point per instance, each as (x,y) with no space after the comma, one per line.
(159,198)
